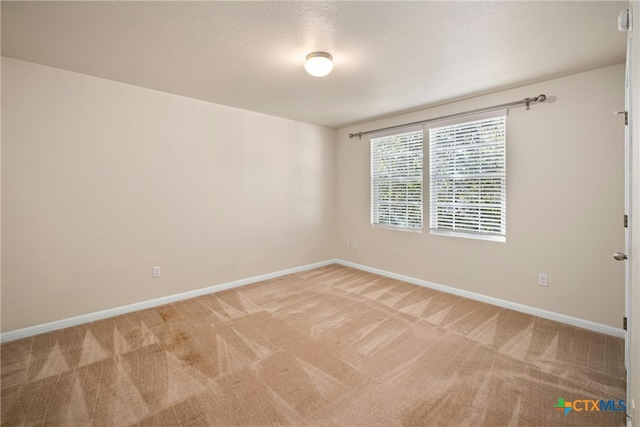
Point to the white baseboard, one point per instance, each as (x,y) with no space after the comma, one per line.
(99,315)
(104,314)
(562,318)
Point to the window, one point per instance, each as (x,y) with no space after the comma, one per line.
(467,168)
(396,180)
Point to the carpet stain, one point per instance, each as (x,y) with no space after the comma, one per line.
(191,358)
(165,316)
(176,340)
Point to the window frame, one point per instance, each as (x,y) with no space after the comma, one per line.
(435,226)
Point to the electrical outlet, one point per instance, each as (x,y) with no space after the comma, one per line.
(156,272)
(542,279)
(348,243)
(354,245)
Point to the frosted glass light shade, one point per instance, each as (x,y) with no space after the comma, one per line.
(318,64)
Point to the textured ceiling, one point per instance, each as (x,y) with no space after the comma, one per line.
(389,56)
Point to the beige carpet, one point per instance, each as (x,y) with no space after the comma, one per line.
(332,346)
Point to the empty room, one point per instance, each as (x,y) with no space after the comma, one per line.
(324,213)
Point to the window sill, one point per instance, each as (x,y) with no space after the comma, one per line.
(491,238)
(390,227)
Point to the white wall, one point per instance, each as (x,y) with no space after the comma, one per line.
(565,201)
(101,181)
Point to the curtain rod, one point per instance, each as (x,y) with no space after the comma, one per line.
(526,101)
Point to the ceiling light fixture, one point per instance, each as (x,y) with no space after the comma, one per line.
(318,64)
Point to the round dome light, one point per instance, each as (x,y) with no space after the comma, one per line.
(318,64)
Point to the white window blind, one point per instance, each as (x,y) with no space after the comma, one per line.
(396,180)
(467,167)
